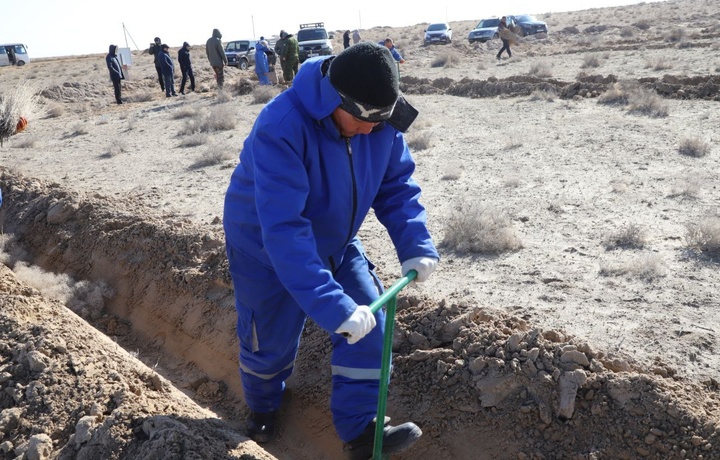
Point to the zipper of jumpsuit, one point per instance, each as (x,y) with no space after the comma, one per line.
(354,198)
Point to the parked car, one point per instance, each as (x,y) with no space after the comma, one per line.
(241,53)
(528,25)
(313,40)
(486,30)
(438,33)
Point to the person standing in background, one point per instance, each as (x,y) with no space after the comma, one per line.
(289,56)
(155,50)
(186,67)
(262,67)
(356,37)
(216,56)
(168,70)
(504,32)
(346,39)
(116,73)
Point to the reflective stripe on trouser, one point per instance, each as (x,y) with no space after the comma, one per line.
(268,347)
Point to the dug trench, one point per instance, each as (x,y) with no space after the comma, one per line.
(480,385)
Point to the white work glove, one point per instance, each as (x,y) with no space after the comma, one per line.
(358,324)
(424,266)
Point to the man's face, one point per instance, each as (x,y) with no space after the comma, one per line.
(349,126)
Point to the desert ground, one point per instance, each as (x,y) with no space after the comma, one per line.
(572,190)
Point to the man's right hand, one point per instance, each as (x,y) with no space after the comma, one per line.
(358,325)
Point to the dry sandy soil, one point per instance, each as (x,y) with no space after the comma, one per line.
(572,190)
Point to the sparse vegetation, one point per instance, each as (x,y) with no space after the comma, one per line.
(79,128)
(638,99)
(419,140)
(194,140)
(452,171)
(694,147)
(213,155)
(263,94)
(115,148)
(27,142)
(591,60)
(479,228)
(630,237)
(540,70)
(676,35)
(219,118)
(642,24)
(445,60)
(704,235)
(186,111)
(647,268)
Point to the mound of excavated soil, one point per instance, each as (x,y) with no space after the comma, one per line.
(70,392)
(462,374)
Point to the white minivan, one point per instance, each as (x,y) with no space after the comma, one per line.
(13,54)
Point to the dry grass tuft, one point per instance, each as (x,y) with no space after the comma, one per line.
(481,229)
(21,101)
(445,60)
(79,128)
(185,111)
(690,188)
(638,99)
(194,140)
(591,60)
(647,268)
(627,32)
(540,70)
(115,149)
(452,171)
(55,111)
(694,147)
(219,118)
(421,140)
(704,235)
(659,63)
(630,237)
(263,94)
(213,155)
(543,95)
(244,86)
(642,24)
(676,35)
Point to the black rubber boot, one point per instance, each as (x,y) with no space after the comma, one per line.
(395,439)
(261,426)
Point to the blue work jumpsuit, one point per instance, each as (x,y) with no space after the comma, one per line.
(292,211)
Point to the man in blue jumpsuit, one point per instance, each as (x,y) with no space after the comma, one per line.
(319,156)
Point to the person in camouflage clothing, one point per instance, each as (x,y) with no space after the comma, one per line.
(287,49)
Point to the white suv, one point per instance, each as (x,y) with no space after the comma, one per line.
(438,33)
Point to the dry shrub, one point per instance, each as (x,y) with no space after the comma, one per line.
(213,155)
(244,86)
(676,35)
(630,237)
(103,120)
(642,24)
(571,30)
(421,140)
(627,32)
(79,128)
(445,60)
(591,60)
(451,171)
(647,268)
(638,99)
(540,70)
(512,143)
(704,235)
(185,111)
(263,94)
(694,147)
(194,140)
(20,101)
(141,97)
(27,142)
(219,118)
(659,63)
(479,228)
(687,189)
(116,148)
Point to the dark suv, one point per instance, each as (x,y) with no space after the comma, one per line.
(241,53)
(528,25)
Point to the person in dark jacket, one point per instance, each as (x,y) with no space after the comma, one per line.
(116,73)
(346,39)
(168,70)
(155,50)
(186,67)
(319,157)
(216,56)
(504,33)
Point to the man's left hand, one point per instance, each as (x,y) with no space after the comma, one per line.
(424,266)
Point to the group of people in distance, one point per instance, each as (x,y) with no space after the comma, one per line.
(292,232)
(286,49)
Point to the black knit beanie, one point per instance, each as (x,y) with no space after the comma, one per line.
(366,77)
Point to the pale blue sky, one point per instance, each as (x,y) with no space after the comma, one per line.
(75,27)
